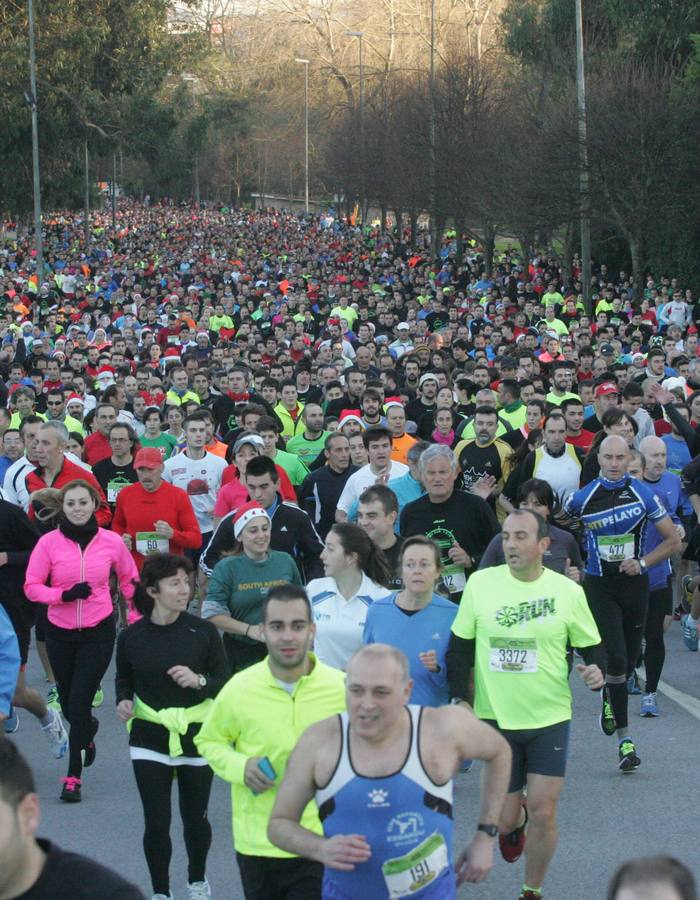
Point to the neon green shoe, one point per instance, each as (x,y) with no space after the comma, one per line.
(52,700)
(99,697)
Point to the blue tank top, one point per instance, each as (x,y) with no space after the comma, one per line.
(406,819)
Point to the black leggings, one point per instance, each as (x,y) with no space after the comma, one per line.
(79,667)
(154,781)
(619,607)
(660,606)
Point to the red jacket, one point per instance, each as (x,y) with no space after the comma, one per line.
(69,472)
(97,448)
(138,510)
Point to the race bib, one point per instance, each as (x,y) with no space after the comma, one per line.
(113,488)
(514,655)
(616,548)
(454,579)
(150,542)
(406,875)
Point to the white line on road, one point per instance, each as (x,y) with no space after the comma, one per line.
(689,703)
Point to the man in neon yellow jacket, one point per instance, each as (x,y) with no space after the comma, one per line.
(251,730)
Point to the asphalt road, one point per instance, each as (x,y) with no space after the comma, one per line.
(605,817)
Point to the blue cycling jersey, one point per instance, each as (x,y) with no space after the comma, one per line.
(615,515)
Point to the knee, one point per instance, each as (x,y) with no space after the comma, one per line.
(542,813)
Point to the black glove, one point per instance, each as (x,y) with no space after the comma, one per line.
(79,591)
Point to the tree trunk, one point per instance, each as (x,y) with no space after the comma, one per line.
(568,252)
(637,254)
(414,227)
(398,212)
(383,222)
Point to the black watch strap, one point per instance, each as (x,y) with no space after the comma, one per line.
(491,830)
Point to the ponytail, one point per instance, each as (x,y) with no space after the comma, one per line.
(370,559)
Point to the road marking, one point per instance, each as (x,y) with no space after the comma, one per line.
(689,703)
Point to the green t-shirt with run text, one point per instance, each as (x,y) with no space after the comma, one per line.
(521,630)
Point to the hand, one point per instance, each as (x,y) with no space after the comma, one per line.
(591,676)
(483,487)
(345,851)
(255,633)
(79,591)
(475,863)
(183,676)
(128,543)
(680,531)
(429,660)
(572,572)
(383,477)
(163,528)
(254,778)
(459,556)
(630,567)
(660,395)
(3,559)
(125,710)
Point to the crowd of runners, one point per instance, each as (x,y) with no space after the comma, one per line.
(347,518)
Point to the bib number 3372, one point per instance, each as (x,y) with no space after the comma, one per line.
(514,655)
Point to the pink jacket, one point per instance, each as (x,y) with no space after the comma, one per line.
(57,563)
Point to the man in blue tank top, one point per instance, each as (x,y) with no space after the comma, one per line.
(381,775)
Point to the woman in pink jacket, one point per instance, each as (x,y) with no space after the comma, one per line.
(69,571)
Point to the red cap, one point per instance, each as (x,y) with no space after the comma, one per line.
(148,458)
(608,387)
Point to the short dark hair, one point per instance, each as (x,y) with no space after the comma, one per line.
(511,386)
(382,494)
(485,410)
(155,569)
(286,593)
(372,435)
(29,420)
(570,401)
(541,490)
(420,540)
(262,465)
(16,779)
(269,423)
(659,869)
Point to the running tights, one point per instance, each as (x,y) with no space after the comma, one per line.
(660,606)
(154,781)
(79,667)
(619,607)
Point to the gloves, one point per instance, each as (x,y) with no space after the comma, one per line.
(79,591)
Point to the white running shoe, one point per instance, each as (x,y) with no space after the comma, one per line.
(198,890)
(162,897)
(56,735)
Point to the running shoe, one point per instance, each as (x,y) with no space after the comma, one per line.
(513,843)
(52,700)
(678,613)
(162,897)
(633,684)
(198,890)
(11,723)
(99,697)
(71,790)
(607,719)
(629,761)
(649,708)
(56,735)
(690,635)
(530,895)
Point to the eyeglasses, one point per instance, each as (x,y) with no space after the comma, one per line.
(54,402)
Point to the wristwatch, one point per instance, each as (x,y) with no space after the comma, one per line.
(491,830)
(642,566)
(202,681)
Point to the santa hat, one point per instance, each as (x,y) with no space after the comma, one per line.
(75,398)
(244,514)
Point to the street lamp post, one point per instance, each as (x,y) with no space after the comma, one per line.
(305,63)
(359,35)
(583,163)
(38,243)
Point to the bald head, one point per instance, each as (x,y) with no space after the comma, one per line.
(654,454)
(613,455)
(379,653)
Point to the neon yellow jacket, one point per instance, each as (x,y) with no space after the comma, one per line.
(253,716)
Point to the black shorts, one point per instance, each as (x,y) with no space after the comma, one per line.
(536,751)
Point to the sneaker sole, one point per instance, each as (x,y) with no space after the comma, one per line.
(628,766)
(602,728)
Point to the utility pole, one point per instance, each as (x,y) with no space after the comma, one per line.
(305,63)
(359,35)
(114,190)
(38,243)
(584,186)
(433,132)
(87,196)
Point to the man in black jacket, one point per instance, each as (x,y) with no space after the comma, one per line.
(35,868)
(292,530)
(321,490)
